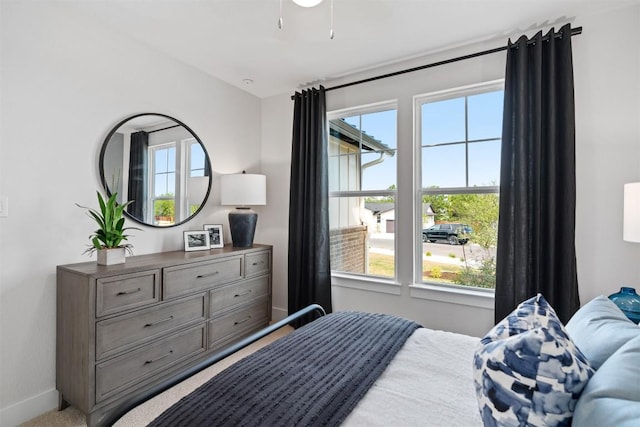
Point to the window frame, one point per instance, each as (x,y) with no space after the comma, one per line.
(364,280)
(422,288)
(152,179)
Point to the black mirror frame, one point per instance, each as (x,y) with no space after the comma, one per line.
(106,187)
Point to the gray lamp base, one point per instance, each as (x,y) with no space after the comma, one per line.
(242,223)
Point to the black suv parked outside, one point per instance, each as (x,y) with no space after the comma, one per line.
(453,233)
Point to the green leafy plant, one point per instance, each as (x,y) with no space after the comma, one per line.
(111,230)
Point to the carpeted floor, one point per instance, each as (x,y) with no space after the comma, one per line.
(71,417)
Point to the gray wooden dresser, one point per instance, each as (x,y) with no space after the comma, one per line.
(123,328)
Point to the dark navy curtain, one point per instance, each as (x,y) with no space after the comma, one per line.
(309,268)
(536,248)
(138,165)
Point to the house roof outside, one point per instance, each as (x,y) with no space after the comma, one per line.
(378,208)
(350,134)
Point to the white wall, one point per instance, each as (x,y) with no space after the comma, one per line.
(607,87)
(66,80)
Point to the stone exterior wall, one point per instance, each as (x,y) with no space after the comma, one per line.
(348,249)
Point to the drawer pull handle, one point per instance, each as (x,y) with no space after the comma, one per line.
(158,322)
(237,322)
(258,263)
(200,276)
(242,294)
(130,291)
(148,362)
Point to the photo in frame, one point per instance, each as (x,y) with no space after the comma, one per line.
(196,240)
(215,235)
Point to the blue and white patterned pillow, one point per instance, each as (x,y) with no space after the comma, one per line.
(527,371)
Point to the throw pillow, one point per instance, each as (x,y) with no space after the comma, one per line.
(612,396)
(527,371)
(599,328)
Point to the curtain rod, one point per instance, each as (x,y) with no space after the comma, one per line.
(160,130)
(574,32)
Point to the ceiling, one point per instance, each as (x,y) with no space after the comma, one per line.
(235,40)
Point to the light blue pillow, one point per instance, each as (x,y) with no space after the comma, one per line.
(527,371)
(599,328)
(612,396)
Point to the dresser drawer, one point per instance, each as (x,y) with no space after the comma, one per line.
(257,263)
(229,326)
(131,368)
(113,335)
(230,296)
(193,277)
(120,293)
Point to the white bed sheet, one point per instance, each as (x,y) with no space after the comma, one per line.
(428,383)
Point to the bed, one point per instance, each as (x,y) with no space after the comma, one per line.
(420,376)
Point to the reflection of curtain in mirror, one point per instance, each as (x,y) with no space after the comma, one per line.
(138,165)
(207,166)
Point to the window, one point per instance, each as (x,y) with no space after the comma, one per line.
(459,138)
(362,190)
(198,181)
(163,184)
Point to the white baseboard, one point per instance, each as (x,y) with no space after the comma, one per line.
(278,313)
(32,407)
(28,409)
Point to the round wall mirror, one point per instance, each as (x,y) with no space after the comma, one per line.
(160,165)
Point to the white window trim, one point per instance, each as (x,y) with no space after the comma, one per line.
(363,281)
(476,297)
(367,283)
(452,294)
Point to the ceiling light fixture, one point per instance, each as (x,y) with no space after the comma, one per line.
(307,3)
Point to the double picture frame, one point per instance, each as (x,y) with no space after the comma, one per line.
(201,240)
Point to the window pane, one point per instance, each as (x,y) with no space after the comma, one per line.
(344,173)
(381,126)
(484,163)
(443,166)
(362,152)
(164,212)
(363,235)
(443,121)
(165,185)
(378,170)
(161,161)
(485,115)
(197,160)
(353,121)
(160,185)
(462,252)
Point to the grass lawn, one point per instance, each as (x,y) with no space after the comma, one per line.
(382,265)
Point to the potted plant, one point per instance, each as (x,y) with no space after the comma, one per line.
(108,239)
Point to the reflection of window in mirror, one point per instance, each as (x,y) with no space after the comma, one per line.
(159,165)
(198,182)
(163,183)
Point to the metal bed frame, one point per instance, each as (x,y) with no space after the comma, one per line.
(120,410)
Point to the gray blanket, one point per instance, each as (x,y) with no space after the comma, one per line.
(314,376)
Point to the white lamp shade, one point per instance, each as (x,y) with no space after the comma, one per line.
(307,3)
(631,229)
(243,189)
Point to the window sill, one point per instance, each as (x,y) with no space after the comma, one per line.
(366,283)
(453,295)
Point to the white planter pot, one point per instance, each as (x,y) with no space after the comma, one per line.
(111,256)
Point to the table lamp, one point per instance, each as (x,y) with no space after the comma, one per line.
(243,190)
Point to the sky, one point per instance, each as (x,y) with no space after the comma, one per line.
(442,122)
